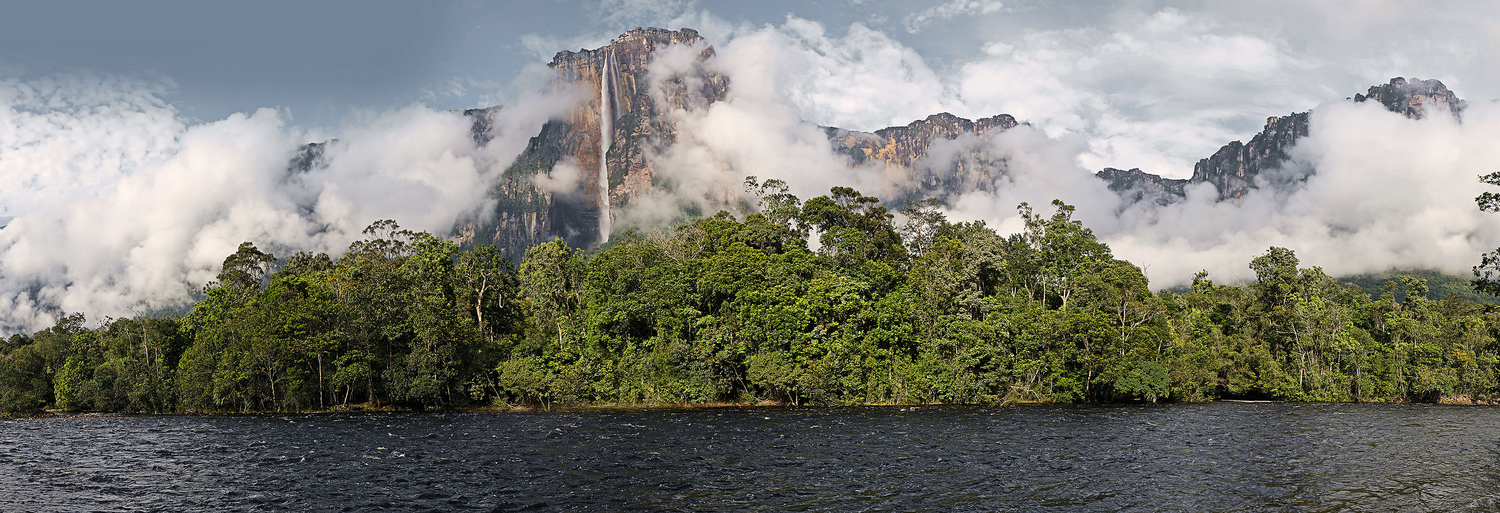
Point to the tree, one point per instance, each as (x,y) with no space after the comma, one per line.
(1064,251)
(922,222)
(775,203)
(246,267)
(1487,273)
(491,289)
(1146,379)
(551,275)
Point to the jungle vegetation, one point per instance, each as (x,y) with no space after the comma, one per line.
(741,310)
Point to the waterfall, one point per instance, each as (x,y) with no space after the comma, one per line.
(606,131)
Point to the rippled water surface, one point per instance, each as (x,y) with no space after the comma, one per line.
(1226,456)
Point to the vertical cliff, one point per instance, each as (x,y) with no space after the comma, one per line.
(1413,98)
(628,95)
(1236,166)
(624,102)
(904,150)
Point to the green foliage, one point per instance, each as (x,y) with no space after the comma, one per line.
(727,309)
(1145,379)
(1487,273)
(1440,285)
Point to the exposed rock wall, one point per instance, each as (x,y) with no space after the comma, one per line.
(904,150)
(1236,166)
(940,155)
(526,214)
(1137,185)
(1413,98)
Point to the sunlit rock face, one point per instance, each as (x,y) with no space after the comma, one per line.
(636,103)
(912,170)
(1235,168)
(1413,98)
(639,103)
(904,145)
(591,162)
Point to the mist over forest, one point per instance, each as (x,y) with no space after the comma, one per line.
(1187,236)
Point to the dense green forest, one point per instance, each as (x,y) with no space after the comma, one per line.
(730,310)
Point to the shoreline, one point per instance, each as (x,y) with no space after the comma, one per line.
(358,409)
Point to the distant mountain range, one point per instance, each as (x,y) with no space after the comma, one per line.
(629,110)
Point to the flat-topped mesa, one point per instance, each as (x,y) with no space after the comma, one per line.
(903,145)
(1413,97)
(631,104)
(1140,185)
(903,148)
(605,137)
(631,56)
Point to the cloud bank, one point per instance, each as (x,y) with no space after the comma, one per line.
(153,204)
(1383,191)
(121,204)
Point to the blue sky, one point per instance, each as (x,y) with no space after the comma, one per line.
(325,60)
(321,60)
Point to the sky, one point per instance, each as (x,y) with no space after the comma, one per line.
(141,142)
(1152,91)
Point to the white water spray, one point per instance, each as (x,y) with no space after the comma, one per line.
(606,131)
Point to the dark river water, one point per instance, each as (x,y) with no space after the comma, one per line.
(1213,457)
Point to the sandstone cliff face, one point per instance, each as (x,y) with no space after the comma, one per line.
(632,106)
(638,106)
(1413,98)
(903,149)
(1236,166)
(933,157)
(1137,185)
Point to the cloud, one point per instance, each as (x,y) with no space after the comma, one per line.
(1156,91)
(781,78)
(74,135)
(161,227)
(916,22)
(565,177)
(1388,192)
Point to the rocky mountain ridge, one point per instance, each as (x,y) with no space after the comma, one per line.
(609,135)
(1235,167)
(902,150)
(629,108)
(628,112)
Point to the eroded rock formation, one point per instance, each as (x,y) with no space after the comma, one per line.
(1139,185)
(636,100)
(907,151)
(1235,168)
(628,88)
(1413,98)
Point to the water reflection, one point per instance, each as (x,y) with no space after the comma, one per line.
(1268,456)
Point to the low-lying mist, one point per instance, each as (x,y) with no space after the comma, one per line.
(122,205)
(146,206)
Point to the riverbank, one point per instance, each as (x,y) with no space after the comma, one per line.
(1457,400)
